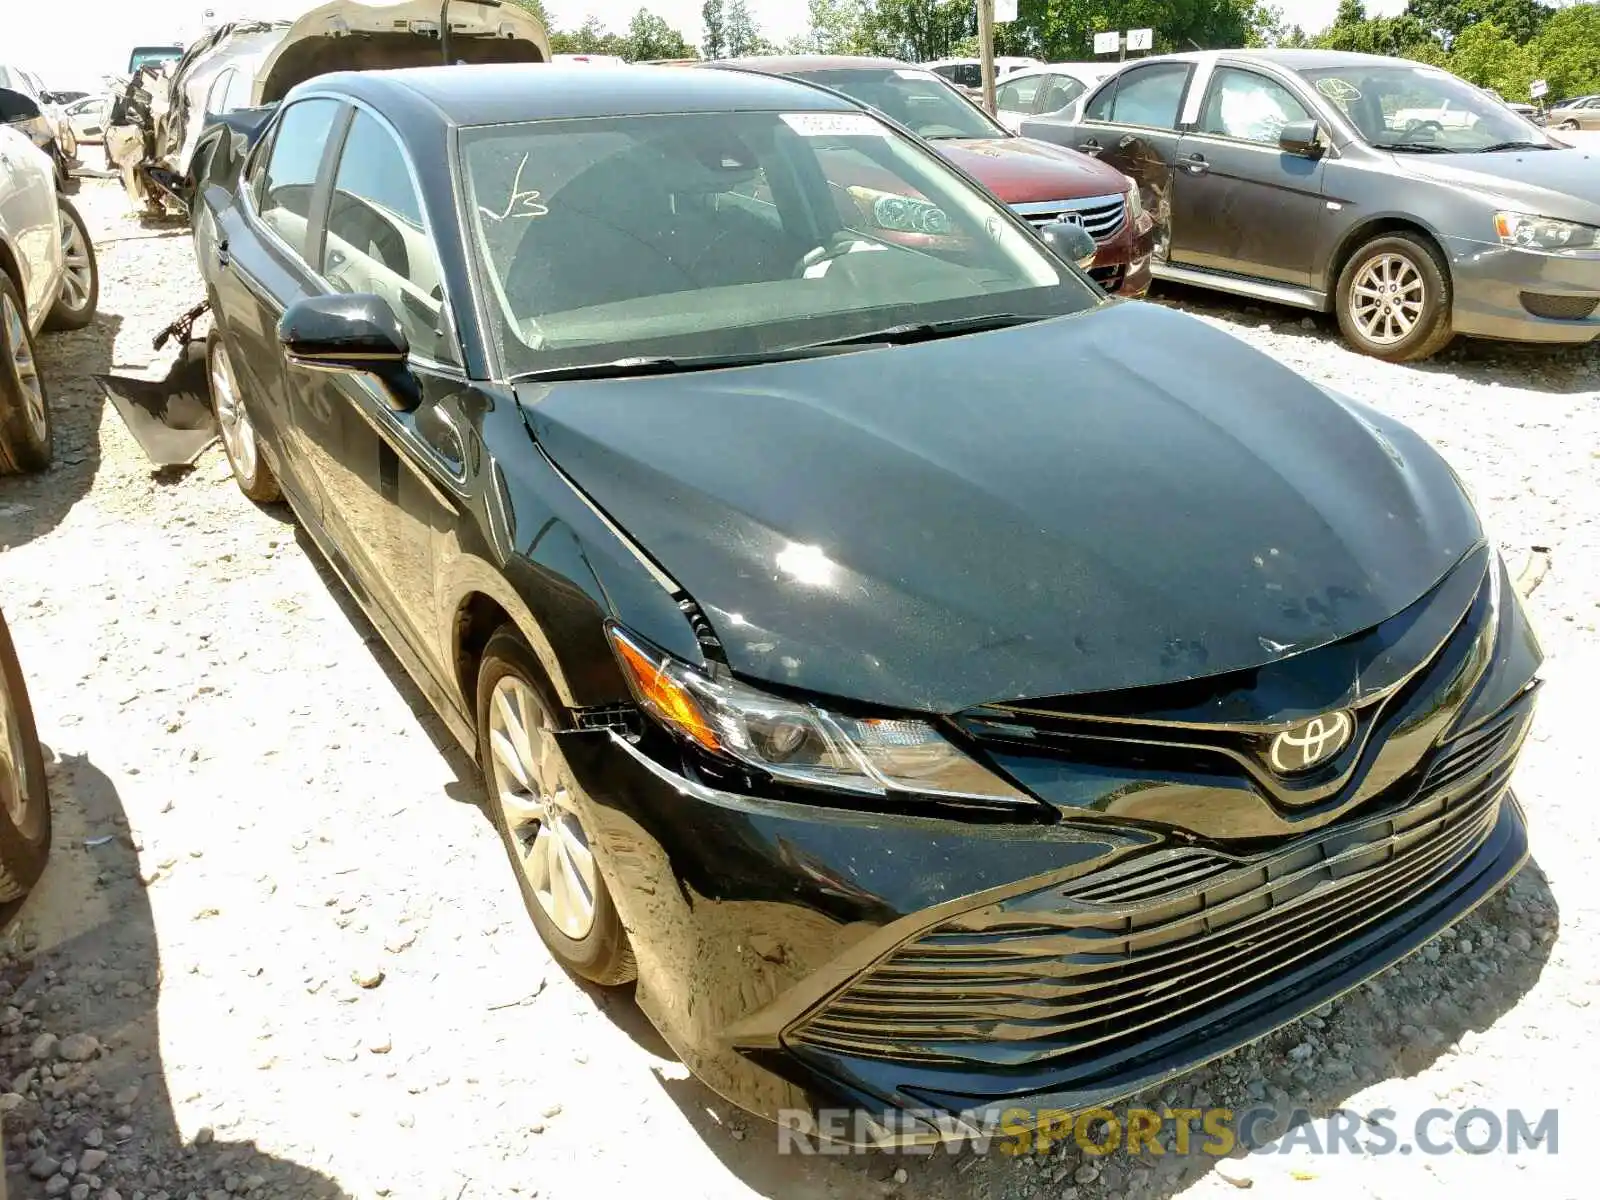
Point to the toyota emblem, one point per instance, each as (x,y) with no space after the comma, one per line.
(1310,743)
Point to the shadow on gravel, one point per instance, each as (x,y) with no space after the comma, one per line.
(80,1041)
(33,505)
(1558,370)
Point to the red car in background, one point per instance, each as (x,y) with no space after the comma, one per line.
(1040,182)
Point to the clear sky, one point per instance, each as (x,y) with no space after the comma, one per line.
(71,43)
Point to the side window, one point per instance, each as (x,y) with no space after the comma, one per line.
(1248,106)
(376,239)
(219,86)
(291,169)
(1018,95)
(1058,92)
(238,93)
(1148,96)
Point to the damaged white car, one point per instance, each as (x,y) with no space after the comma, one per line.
(155,123)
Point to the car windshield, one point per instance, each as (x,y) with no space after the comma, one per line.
(737,234)
(1414,107)
(147,55)
(919,100)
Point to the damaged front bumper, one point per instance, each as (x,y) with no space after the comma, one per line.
(173,419)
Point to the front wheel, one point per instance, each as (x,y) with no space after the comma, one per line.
(24,796)
(531,801)
(1569,126)
(1393,299)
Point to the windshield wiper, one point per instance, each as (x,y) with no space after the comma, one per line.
(1414,147)
(927,331)
(1516,146)
(627,368)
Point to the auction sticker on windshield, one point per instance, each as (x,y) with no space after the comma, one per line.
(833,125)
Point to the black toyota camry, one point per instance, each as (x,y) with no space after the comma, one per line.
(941,687)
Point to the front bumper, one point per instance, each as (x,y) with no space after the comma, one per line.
(792,955)
(1495,285)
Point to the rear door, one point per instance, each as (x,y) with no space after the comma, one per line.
(1131,122)
(1240,203)
(257,251)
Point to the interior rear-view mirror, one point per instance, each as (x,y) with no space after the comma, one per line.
(357,332)
(1301,137)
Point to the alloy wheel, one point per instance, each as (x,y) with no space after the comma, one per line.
(24,368)
(552,850)
(15,786)
(238,434)
(1387,297)
(79,281)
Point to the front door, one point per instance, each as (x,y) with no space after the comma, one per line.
(392,489)
(1240,203)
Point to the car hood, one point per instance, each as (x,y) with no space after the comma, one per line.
(1139,499)
(1022,171)
(351,35)
(1553,183)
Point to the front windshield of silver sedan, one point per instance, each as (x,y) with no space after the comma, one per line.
(708,235)
(1415,108)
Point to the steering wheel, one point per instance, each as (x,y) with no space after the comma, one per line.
(1418,124)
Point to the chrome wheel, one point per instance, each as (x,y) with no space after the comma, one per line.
(24,368)
(1387,298)
(552,850)
(79,282)
(238,435)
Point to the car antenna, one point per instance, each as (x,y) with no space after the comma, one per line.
(444,24)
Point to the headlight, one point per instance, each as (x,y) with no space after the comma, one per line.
(901,214)
(1135,204)
(1544,233)
(803,743)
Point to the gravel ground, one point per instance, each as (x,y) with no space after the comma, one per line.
(278,951)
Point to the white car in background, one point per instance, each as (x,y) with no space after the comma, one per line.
(967,73)
(88,118)
(48,280)
(1045,89)
(49,129)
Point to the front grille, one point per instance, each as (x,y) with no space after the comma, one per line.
(1559,308)
(1102,216)
(1079,974)
(1109,278)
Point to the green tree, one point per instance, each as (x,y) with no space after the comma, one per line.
(1520,20)
(920,30)
(714,18)
(742,35)
(835,27)
(650,37)
(1487,56)
(1567,51)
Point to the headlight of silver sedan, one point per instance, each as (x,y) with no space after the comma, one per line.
(804,743)
(1544,233)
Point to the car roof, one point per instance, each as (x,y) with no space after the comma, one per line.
(495,94)
(1290,59)
(794,64)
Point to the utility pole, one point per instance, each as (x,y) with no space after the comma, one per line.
(986,52)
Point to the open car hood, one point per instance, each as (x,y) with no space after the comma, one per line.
(1140,499)
(351,35)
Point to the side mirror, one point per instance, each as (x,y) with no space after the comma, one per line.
(1301,137)
(357,332)
(1071,241)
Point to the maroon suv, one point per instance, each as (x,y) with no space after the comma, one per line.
(1040,182)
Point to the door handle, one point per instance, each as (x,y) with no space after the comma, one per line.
(1090,147)
(223,257)
(1196,164)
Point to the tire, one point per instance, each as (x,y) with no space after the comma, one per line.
(597,950)
(250,469)
(24,794)
(1412,268)
(80,291)
(27,435)
(1569,126)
